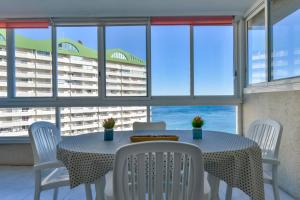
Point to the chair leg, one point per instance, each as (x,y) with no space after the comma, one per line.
(100,186)
(88,191)
(37,189)
(228,192)
(55,194)
(37,193)
(275,182)
(214,183)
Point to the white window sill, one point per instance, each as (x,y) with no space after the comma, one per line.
(284,85)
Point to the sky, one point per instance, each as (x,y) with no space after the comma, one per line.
(170,54)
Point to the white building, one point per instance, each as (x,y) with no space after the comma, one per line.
(77,76)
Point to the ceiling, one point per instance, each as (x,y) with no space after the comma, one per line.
(120,8)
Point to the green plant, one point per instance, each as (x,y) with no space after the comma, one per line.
(108,123)
(197,122)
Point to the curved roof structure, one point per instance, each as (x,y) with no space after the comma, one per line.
(113,55)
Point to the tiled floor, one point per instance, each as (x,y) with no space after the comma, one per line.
(17,183)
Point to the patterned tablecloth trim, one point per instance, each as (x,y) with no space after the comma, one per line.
(239,168)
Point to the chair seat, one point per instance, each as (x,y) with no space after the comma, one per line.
(109,187)
(58,177)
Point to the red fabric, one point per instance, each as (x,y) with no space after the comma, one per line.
(201,20)
(23,24)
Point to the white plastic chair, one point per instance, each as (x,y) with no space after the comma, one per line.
(142,126)
(267,134)
(157,170)
(44,137)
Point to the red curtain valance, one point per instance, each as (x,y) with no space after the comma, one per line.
(24,24)
(200,20)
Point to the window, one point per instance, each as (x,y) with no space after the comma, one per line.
(15,121)
(170,60)
(68,47)
(126,73)
(2,38)
(256,48)
(3,69)
(286,41)
(78,120)
(77,61)
(31,65)
(217,118)
(213,60)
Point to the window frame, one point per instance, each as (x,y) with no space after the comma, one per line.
(252,14)
(270,81)
(102,100)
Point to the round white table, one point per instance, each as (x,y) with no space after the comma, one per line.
(228,157)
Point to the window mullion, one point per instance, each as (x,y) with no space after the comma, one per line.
(268,28)
(11,67)
(148,59)
(54,62)
(101,63)
(192,92)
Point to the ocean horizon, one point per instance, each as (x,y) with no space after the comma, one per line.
(217,118)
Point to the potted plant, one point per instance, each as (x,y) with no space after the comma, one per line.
(108,125)
(197,124)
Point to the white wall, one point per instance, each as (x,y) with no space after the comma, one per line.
(285,108)
(16,154)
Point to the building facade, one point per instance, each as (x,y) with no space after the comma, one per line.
(77,77)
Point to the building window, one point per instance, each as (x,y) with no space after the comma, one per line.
(2,38)
(257,48)
(77,51)
(79,120)
(213,60)
(126,61)
(31,65)
(16,121)
(68,47)
(217,118)
(170,60)
(3,65)
(286,41)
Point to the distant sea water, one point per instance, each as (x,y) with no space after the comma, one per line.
(217,118)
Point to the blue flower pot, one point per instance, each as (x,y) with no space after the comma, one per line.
(108,134)
(197,133)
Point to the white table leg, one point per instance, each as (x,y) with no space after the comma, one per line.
(100,186)
(214,183)
(88,191)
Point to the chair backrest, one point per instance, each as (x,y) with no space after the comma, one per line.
(44,136)
(142,126)
(158,170)
(267,133)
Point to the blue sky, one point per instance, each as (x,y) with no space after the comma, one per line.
(170,54)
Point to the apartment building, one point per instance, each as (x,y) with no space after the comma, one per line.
(77,76)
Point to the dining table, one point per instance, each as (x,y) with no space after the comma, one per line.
(228,157)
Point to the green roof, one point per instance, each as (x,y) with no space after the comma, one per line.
(113,55)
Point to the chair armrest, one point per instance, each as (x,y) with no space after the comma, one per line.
(271,161)
(48,165)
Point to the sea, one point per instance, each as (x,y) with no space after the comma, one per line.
(216,118)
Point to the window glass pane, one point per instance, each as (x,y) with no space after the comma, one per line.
(126,61)
(213,55)
(77,61)
(257,48)
(286,40)
(216,118)
(3,69)
(78,120)
(170,60)
(33,62)
(15,121)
